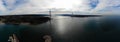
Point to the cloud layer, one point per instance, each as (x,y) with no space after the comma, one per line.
(37,6)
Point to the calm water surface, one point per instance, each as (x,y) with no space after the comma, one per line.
(65,29)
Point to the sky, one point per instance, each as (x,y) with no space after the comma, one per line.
(60,6)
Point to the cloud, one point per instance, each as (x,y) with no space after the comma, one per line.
(106,4)
(2,7)
(12,4)
(93,3)
(23,6)
(8,5)
(38,6)
(31,6)
(87,5)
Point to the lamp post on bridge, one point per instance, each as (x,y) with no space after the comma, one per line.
(50,13)
(72,14)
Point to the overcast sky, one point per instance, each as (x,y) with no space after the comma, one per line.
(39,6)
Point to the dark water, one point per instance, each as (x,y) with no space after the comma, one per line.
(66,29)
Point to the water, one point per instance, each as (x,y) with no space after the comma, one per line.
(64,29)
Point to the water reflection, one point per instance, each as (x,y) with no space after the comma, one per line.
(66,29)
(70,29)
(65,25)
(106,29)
